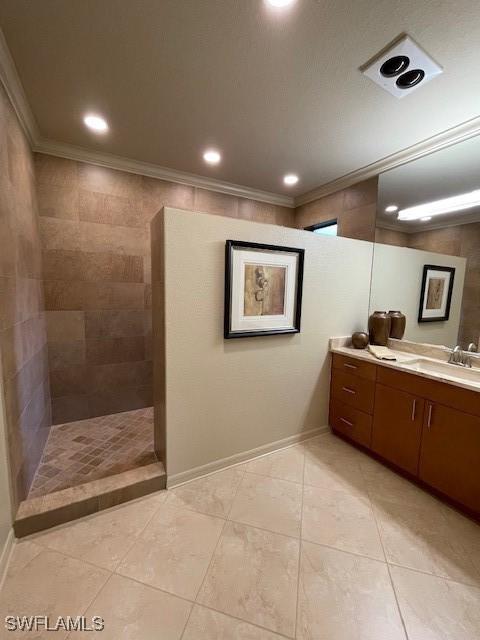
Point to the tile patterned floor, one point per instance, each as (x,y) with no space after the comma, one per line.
(79,452)
(316,542)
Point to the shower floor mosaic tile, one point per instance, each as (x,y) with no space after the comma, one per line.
(79,452)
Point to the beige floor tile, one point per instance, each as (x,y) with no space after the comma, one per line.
(334,472)
(341,520)
(253,576)
(345,597)
(112,531)
(50,584)
(286,464)
(420,539)
(205,624)
(213,494)
(384,484)
(133,611)
(436,609)
(269,503)
(174,551)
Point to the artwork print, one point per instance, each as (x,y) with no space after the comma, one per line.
(263,289)
(436,293)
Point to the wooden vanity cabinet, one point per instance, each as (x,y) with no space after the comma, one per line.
(450,454)
(397,427)
(427,428)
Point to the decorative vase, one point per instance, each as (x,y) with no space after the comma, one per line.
(360,339)
(379,325)
(399,322)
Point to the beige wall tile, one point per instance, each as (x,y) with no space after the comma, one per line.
(70,408)
(62,355)
(63,296)
(114,324)
(115,377)
(115,401)
(82,266)
(111,295)
(59,234)
(160,193)
(65,326)
(58,201)
(361,194)
(69,381)
(219,204)
(50,170)
(110,209)
(113,350)
(115,239)
(109,181)
(263,212)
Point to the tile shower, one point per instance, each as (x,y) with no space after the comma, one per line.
(75,311)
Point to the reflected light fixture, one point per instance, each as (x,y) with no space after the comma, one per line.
(440,207)
(290,179)
(95,123)
(279,4)
(212,156)
(426,219)
(392,208)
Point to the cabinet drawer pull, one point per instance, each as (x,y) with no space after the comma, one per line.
(348,390)
(414,410)
(347,422)
(349,366)
(430,411)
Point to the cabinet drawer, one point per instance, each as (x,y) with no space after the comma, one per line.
(356,392)
(350,422)
(356,367)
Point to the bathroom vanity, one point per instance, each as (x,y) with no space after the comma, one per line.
(419,415)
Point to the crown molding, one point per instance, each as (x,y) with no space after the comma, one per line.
(456,134)
(111,161)
(11,82)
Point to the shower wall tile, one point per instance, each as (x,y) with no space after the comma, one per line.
(23,337)
(97,272)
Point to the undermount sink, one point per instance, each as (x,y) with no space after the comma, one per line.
(445,369)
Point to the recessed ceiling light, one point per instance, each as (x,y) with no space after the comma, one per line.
(392,208)
(280,3)
(212,156)
(96,123)
(426,219)
(290,179)
(439,207)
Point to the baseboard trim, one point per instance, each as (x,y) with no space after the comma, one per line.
(224,463)
(5,556)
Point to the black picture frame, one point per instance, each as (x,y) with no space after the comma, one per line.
(426,269)
(230,245)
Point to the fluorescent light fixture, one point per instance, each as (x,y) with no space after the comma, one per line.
(212,156)
(439,207)
(290,179)
(426,219)
(96,123)
(278,4)
(392,208)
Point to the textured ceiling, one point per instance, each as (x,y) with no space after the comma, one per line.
(276,91)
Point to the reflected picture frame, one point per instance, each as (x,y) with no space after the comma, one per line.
(263,289)
(436,293)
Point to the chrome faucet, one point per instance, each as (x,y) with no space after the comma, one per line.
(462,358)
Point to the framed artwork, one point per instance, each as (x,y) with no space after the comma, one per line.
(263,289)
(436,294)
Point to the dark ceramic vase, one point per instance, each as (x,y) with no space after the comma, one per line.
(379,325)
(399,322)
(360,339)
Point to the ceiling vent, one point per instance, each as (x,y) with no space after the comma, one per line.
(402,68)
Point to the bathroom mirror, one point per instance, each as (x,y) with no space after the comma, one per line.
(428,218)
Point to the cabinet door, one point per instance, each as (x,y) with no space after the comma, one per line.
(450,458)
(397,427)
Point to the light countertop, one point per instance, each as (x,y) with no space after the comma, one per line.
(408,362)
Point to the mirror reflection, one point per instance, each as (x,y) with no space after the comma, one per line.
(427,251)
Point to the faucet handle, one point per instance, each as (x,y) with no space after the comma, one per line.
(472,347)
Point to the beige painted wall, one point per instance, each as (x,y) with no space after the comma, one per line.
(5,503)
(396,284)
(227,397)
